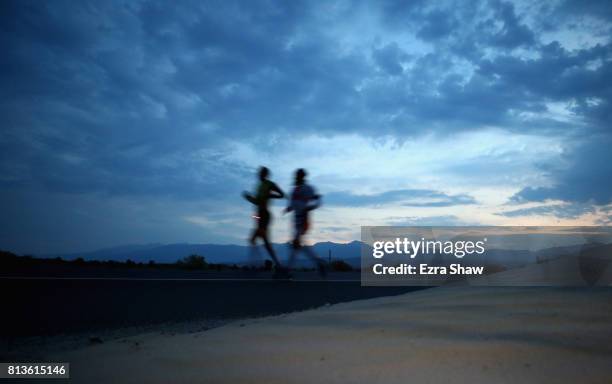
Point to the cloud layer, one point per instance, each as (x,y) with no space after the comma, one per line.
(143,101)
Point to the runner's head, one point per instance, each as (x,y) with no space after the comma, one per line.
(263,173)
(300,175)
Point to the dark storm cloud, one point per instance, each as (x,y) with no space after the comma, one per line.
(142,98)
(437,24)
(94,101)
(446,220)
(570,211)
(587,178)
(596,8)
(405,197)
(559,75)
(94,91)
(506,85)
(389,58)
(502,88)
(513,33)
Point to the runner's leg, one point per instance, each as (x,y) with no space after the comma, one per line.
(264,221)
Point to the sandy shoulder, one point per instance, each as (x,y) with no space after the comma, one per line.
(507,335)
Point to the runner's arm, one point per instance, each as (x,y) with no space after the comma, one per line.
(276,192)
(249,197)
(289,208)
(317,203)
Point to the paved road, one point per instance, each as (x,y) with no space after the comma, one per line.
(38,305)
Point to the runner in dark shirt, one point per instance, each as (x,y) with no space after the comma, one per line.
(266,190)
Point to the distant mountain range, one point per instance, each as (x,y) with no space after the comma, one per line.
(239,254)
(214,253)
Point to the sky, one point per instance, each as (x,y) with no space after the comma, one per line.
(136,122)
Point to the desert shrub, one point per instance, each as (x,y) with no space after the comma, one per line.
(340,266)
(79,261)
(193,262)
(268,265)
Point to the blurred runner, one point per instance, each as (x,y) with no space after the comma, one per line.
(266,190)
(303,200)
